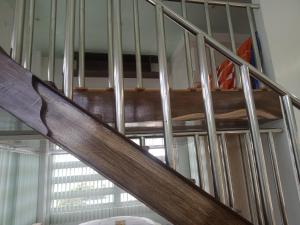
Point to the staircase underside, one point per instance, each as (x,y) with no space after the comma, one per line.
(108,152)
(144,106)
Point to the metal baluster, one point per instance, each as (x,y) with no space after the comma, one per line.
(200,162)
(52,37)
(81,70)
(233,45)
(254,40)
(292,132)
(209,112)
(30,27)
(18,30)
(138,57)
(187,48)
(118,68)
(69,49)
(110,44)
(254,179)
(257,146)
(164,87)
(211,50)
(278,182)
(228,179)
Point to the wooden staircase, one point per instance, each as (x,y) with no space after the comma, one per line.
(63,122)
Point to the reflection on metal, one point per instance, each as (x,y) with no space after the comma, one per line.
(211,126)
(18,30)
(278,182)
(52,37)
(138,58)
(255,180)
(258,147)
(81,71)
(227,172)
(30,26)
(187,48)
(68,67)
(165,88)
(254,39)
(247,171)
(233,45)
(118,67)
(211,50)
(110,44)
(292,132)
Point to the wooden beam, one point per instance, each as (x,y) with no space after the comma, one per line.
(108,152)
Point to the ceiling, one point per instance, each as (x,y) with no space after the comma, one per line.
(96,25)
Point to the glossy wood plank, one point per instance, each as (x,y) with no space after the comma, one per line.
(111,154)
(187,105)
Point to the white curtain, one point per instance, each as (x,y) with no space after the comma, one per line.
(18,188)
(78,194)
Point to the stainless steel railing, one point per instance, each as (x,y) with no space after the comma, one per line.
(254,162)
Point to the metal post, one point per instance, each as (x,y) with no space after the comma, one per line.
(110,44)
(292,132)
(18,30)
(257,146)
(118,68)
(254,39)
(200,163)
(81,70)
(227,172)
(278,182)
(52,37)
(233,45)
(187,48)
(164,87)
(138,57)
(209,112)
(254,180)
(69,49)
(211,50)
(250,186)
(30,27)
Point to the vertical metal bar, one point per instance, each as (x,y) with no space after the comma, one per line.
(118,67)
(30,27)
(164,87)
(233,45)
(187,48)
(81,70)
(292,132)
(52,37)
(138,57)
(211,126)
(278,182)
(110,44)
(211,50)
(227,171)
(254,179)
(250,186)
(200,164)
(257,146)
(254,39)
(69,49)
(18,30)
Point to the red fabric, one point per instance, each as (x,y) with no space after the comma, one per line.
(225,72)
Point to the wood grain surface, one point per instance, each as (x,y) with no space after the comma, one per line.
(108,152)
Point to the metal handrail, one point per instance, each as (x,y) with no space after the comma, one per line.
(223,3)
(225,51)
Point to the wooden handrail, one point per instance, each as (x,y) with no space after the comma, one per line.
(61,121)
